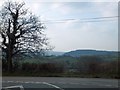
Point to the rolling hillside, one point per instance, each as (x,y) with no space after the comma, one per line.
(78,53)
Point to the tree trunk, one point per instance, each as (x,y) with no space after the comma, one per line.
(9,60)
(9,64)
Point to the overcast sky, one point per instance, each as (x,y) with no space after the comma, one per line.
(68,26)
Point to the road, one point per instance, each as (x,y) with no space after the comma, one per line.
(58,83)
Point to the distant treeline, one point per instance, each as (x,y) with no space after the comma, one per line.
(84,66)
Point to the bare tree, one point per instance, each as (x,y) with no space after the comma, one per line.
(21,32)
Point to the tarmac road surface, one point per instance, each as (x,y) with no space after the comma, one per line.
(58,83)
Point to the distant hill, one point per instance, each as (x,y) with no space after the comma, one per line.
(55,53)
(78,53)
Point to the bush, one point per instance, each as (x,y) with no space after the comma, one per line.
(42,67)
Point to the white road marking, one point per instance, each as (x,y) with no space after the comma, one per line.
(38,82)
(109,85)
(31,82)
(9,81)
(84,84)
(104,85)
(26,82)
(18,86)
(57,82)
(53,85)
(18,82)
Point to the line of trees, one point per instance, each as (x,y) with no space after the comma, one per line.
(36,68)
(89,66)
(96,65)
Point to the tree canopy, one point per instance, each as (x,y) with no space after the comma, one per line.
(21,32)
